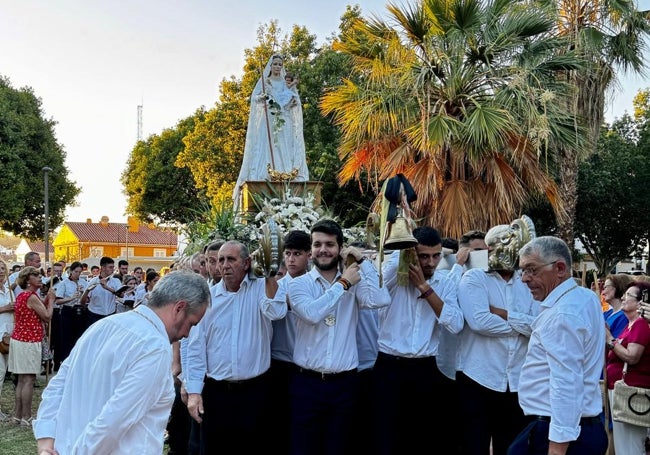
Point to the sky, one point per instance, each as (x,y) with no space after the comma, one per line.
(93,62)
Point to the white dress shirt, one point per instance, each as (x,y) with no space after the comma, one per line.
(409,327)
(561,374)
(326,326)
(493,349)
(102,301)
(68,288)
(7,317)
(114,393)
(233,340)
(448,358)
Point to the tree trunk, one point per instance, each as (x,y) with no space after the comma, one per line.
(569,191)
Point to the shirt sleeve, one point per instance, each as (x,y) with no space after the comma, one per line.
(195,366)
(367,291)
(474,300)
(564,347)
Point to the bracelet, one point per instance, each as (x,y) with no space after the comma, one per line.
(426,293)
(345,283)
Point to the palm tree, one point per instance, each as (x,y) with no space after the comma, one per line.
(460,97)
(609,34)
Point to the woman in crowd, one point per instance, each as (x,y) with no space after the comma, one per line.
(613,290)
(274,137)
(31,313)
(631,346)
(6,321)
(142,293)
(126,299)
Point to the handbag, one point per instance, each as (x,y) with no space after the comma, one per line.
(631,404)
(4,343)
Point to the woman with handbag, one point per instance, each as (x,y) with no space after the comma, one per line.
(6,322)
(26,340)
(632,351)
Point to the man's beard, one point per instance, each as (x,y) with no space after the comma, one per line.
(326,266)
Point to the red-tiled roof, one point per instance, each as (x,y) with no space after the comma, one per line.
(39,246)
(119,233)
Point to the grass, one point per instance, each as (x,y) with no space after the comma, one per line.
(17,440)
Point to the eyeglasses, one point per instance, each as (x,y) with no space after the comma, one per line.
(608,286)
(533,271)
(635,297)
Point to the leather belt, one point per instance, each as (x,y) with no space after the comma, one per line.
(327,376)
(406,360)
(583,420)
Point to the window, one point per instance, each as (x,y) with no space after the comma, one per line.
(96,251)
(159,253)
(125,253)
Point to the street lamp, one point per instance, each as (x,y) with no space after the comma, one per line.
(46,170)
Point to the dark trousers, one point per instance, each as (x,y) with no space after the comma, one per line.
(533,440)
(91,318)
(55,337)
(488,415)
(322,413)
(364,432)
(235,411)
(178,426)
(73,324)
(280,376)
(405,390)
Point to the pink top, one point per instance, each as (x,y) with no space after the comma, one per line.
(638,375)
(28,326)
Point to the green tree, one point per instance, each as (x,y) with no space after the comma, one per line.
(27,144)
(609,35)
(460,97)
(612,220)
(157,190)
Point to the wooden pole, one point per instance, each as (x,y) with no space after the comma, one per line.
(266,117)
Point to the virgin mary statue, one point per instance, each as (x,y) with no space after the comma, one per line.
(274,141)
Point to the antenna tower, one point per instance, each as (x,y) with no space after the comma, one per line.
(139,122)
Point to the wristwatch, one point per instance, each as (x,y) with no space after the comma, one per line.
(363,258)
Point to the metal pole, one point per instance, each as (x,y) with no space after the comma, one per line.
(46,234)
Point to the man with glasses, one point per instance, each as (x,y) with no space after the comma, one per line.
(559,383)
(499,311)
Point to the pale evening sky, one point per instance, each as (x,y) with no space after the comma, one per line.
(92,62)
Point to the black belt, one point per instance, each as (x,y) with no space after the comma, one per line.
(327,376)
(405,360)
(233,384)
(583,420)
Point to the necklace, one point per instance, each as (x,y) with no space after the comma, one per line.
(565,293)
(147,318)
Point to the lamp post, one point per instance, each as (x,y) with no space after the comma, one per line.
(46,170)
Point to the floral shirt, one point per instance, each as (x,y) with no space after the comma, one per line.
(28,326)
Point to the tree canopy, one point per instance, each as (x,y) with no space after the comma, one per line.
(612,220)
(27,145)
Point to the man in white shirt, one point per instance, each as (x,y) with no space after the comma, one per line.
(32,259)
(499,310)
(99,295)
(68,295)
(327,302)
(559,387)
(113,394)
(229,353)
(296,253)
(408,381)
